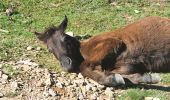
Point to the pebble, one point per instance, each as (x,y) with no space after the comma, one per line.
(38,48)
(48,82)
(29,48)
(80,76)
(46,94)
(0,74)
(81,97)
(1,95)
(4,77)
(9,11)
(60,85)
(94,89)
(1,66)
(151,98)
(94,96)
(136,11)
(14,85)
(109,92)
(70,34)
(88,87)
(52,92)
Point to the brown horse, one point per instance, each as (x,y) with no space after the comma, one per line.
(132,51)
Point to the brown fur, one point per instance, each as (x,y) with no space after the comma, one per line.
(143,46)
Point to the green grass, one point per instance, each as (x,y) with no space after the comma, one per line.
(137,94)
(85,17)
(8,69)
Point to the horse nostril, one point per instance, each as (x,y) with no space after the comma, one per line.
(65,61)
(69,60)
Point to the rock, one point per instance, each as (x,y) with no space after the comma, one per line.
(80,76)
(70,34)
(48,82)
(151,98)
(46,94)
(1,66)
(94,89)
(38,48)
(1,95)
(113,4)
(0,74)
(136,11)
(14,85)
(9,11)
(4,77)
(81,97)
(52,92)
(109,92)
(156,98)
(29,48)
(94,96)
(73,76)
(40,84)
(101,87)
(88,87)
(60,85)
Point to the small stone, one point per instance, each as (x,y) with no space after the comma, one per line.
(29,48)
(0,74)
(136,11)
(94,89)
(40,84)
(14,86)
(73,76)
(109,92)
(60,85)
(148,98)
(4,77)
(101,87)
(81,97)
(48,82)
(1,66)
(52,92)
(38,48)
(151,98)
(94,96)
(70,34)
(156,98)
(1,95)
(88,87)
(80,76)
(9,11)
(113,4)
(46,94)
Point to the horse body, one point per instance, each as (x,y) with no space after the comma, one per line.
(145,47)
(140,47)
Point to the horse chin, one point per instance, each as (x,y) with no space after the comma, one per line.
(70,69)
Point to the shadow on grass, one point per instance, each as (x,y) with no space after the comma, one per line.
(147,86)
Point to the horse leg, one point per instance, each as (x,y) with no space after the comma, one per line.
(91,70)
(142,78)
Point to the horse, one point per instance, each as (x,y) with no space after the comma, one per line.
(113,57)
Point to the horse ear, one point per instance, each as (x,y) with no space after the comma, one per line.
(63,25)
(40,36)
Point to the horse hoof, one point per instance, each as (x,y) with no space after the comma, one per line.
(113,80)
(151,78)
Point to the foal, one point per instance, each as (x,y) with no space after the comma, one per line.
(132,51)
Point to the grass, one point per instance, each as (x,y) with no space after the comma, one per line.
(85,17)
(8,69)
(137,94)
